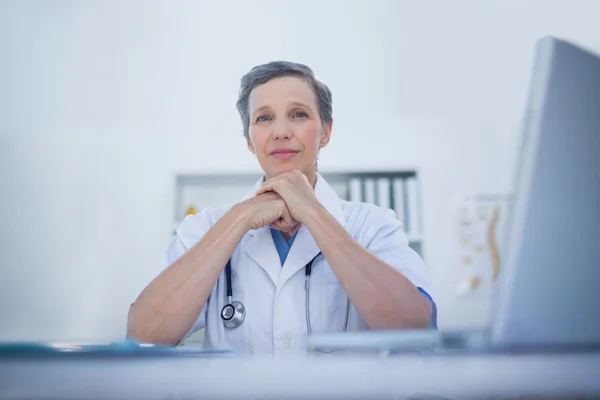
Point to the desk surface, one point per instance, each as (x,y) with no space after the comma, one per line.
(342,376)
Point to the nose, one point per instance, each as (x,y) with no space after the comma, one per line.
(282,130)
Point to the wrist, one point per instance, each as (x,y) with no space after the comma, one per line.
(243,214)
(313,214)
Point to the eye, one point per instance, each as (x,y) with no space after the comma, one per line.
(300,114)
(263,118)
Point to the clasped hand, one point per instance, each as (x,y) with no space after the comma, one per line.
(282,202)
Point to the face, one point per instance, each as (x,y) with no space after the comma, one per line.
(285,129)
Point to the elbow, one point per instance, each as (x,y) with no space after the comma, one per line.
(419,315)
(140,331)
(423,314)
(399,317)
(136,329)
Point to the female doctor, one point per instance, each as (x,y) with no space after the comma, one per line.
(291,233)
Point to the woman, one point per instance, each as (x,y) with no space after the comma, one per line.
(291,217)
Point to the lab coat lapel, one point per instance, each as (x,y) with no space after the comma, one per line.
(261,249)
(302,251)
(304,248)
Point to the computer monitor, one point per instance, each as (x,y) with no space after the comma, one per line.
(548,293)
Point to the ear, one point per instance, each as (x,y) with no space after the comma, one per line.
(326,136)
(250,146)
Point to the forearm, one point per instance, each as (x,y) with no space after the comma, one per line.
(384,297)
(168,307)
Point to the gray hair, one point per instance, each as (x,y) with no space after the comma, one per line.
(261,74)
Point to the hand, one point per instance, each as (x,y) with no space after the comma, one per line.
(293,187)
(270,209)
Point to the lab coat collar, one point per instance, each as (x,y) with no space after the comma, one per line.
(261,247)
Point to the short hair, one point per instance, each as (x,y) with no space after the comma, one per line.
(261,74)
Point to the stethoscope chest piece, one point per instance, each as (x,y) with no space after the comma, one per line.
(233,314)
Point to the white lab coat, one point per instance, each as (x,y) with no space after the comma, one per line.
(274,296)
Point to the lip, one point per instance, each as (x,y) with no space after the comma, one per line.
(284,153)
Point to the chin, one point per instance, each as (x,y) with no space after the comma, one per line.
(280,169)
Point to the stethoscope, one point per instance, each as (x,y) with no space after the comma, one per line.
(234,312)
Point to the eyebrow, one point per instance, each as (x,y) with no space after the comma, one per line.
(300,104)
(260,109)
(267,107)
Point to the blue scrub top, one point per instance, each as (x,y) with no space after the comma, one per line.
(283,248)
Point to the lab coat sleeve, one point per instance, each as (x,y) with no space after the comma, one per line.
(386,239)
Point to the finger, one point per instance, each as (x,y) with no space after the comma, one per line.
(287,217)
(283,226)
(266,187)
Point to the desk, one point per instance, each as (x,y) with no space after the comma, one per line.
(236,377)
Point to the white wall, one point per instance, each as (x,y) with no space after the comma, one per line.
(102,102)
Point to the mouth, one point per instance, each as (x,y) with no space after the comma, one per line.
(284,153)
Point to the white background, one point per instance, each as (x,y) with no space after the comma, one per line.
(103,102)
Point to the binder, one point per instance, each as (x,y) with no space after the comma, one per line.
(413,228)
(355,190)
(383,193)
(370,196)
(398,196)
